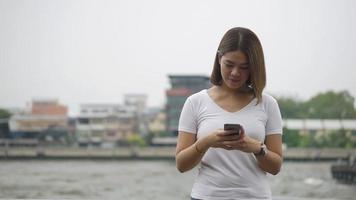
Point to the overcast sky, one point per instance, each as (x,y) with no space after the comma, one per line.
(83,51)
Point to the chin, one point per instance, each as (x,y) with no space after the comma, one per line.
(234,87)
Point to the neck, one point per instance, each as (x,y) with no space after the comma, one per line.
(242,91)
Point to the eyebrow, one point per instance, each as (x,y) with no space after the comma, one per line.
(231,62)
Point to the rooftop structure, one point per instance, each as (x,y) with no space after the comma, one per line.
(48,107)
(320,124)
(182,86)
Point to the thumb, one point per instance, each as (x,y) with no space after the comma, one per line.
(242,133)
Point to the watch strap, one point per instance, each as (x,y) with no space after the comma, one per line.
(262,150)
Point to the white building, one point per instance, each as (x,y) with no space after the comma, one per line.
(103,124)
(139,102)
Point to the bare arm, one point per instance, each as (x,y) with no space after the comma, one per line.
(272,161)
(189,151)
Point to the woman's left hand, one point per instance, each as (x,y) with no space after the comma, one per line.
(244,143)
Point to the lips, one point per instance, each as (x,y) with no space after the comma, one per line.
(234,80)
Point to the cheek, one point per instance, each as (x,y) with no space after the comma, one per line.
(245,74)
(224,71)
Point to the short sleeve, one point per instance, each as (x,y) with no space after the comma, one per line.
(187,120)
(274,119)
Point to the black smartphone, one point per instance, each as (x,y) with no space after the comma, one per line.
(236,128)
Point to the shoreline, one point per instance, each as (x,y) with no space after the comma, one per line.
(151,153)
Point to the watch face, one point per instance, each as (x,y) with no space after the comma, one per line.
(264,149)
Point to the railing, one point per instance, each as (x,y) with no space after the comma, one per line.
(19,142)
(134,152)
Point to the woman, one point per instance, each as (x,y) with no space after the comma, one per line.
(232,165)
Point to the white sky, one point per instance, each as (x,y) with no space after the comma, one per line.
(83,51)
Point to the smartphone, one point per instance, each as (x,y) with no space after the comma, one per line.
(236,128)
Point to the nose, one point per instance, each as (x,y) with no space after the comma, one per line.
(235,71)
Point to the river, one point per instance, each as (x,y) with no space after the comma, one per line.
(157,180)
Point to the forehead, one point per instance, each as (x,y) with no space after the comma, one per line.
(235,56)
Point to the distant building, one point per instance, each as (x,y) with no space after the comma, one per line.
(139,103)
(320,124)
(156,120)
(43,117)
(105,124)
(49,107)
(182,86)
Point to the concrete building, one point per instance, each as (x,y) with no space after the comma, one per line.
(182,86)
(156,121)
(105,124)
(49,107)
(139,103)
(43,116)
(320,124)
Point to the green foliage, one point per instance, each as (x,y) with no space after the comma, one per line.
(328,105)
(4,114)
(338,139)
(290,108)
(306,140)
(291,137)
(148,138)
(136,140)
(331,139)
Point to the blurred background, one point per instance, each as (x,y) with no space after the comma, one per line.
(91,92)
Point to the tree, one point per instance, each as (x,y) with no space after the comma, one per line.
(4,114)
(4,126)
(338,139)
(136,140)
(306,140)
(291,137)
(330,105)
(290,108)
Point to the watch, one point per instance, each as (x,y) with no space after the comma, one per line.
(263,150)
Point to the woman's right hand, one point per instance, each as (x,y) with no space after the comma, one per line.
(217,138)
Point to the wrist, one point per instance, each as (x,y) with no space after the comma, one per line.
(201,146)
(262,150)
(208,141)
(257,147)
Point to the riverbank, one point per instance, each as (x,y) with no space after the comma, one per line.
(153,153)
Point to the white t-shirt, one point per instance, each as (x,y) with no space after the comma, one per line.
(233,174)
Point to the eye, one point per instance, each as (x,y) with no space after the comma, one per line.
(228,65)
(244,67)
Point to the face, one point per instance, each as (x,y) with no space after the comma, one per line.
(235,70)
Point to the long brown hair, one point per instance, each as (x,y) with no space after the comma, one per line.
(243,39)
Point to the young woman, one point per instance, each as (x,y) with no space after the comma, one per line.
(233,165)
